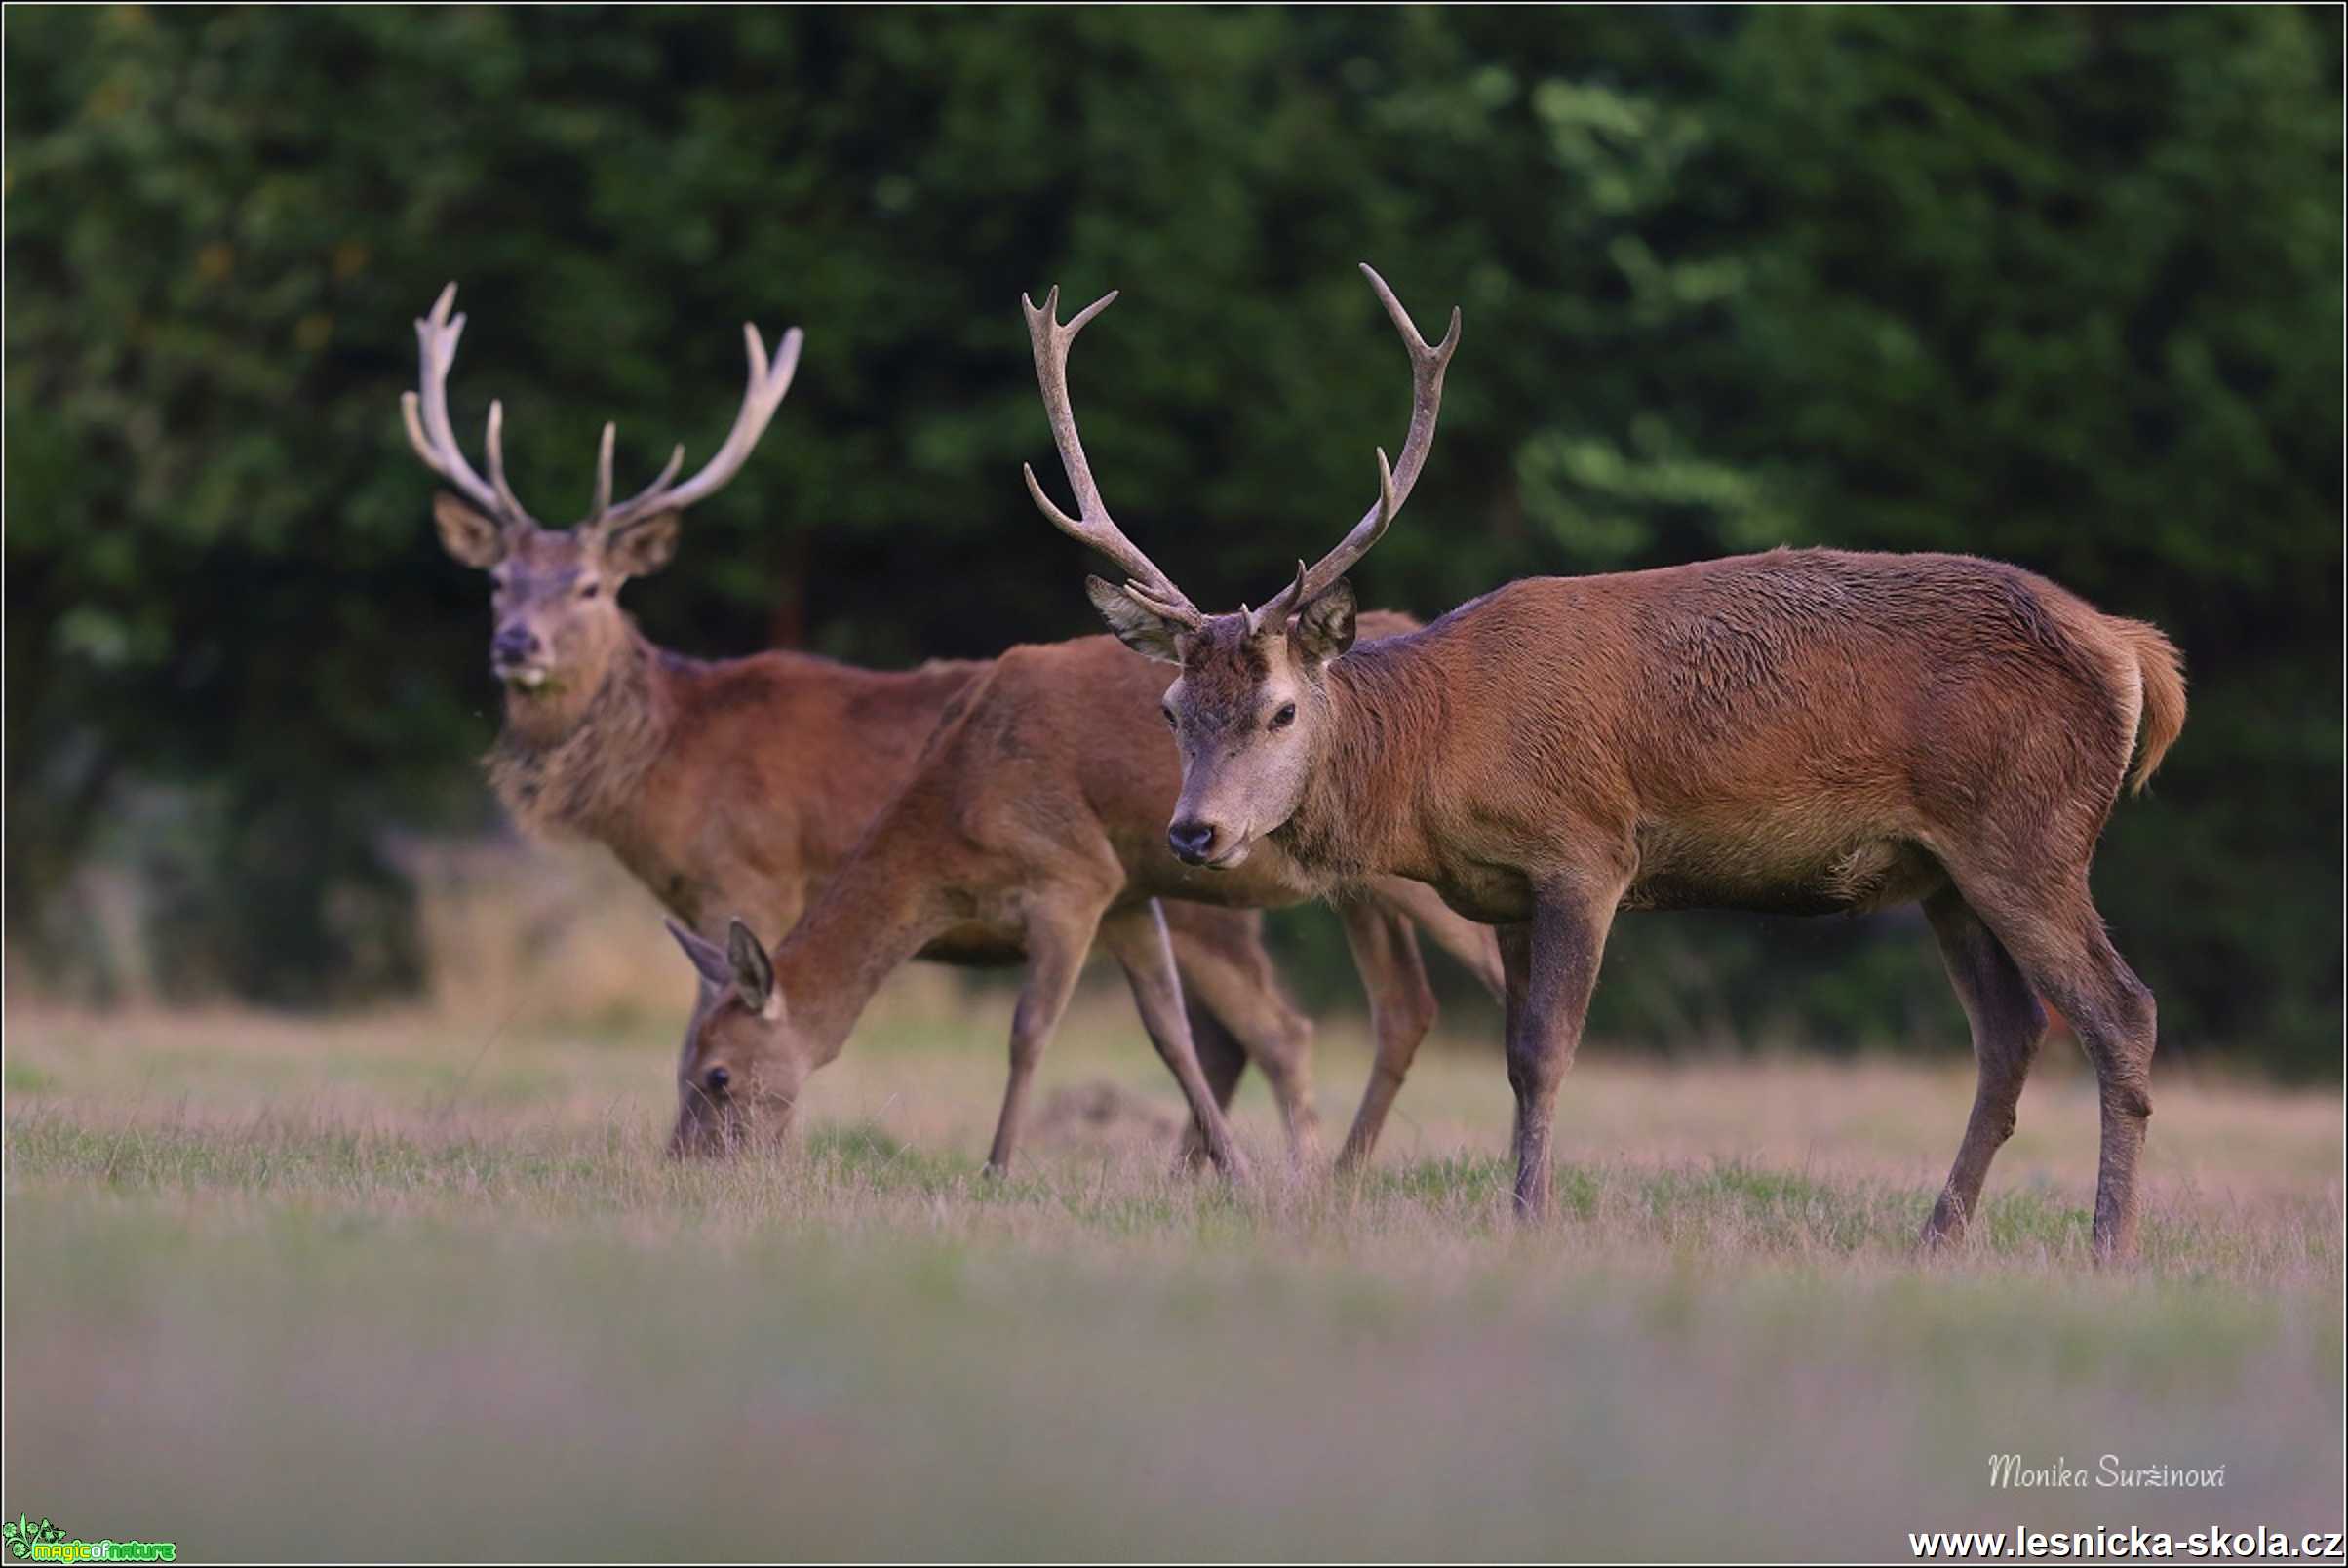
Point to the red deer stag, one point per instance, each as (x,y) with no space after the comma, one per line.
(738,785)
(1801,730)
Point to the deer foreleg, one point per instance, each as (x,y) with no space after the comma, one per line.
(1056,951)
(1402,1009)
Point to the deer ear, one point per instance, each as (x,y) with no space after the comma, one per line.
(642,547)
(465,533)
(1325,628)
(707,959)
(753,970)
(1139,627)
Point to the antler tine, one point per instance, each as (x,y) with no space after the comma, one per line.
(660,482)
(505,492)
(1428,364)
(602,470)
(762,394)
(425,412)
(1094,527)
(1259,619)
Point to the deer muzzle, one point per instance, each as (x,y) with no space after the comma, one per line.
(1199,842)
(516,656)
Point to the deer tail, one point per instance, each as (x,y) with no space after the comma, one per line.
(2162,669)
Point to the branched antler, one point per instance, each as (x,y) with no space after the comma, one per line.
(761,397)
(425,412)
(427,415)
(1149,585)
(1095,526)
(1427,366)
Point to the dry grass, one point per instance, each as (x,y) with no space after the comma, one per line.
(421,1285)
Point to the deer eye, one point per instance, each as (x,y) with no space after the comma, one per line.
(1166,712)
(1283,719)
(718,1079)
(589,590)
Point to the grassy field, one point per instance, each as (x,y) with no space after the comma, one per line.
(420,1285)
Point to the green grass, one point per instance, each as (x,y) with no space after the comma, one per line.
(383,1291)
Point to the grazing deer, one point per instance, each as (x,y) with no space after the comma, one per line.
(736,786)
(1023,832)
(1801,730)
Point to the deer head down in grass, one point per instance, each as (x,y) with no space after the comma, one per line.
(742,1071)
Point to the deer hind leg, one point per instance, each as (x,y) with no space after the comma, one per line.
(2049,925)
(1402,1009)
(2007,1024)
(1226,973)
(1056,950)
(1137,937)
(1467,941)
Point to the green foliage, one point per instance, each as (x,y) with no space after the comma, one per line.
(2060,287)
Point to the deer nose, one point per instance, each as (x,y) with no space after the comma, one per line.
(1191,841)
(513,643)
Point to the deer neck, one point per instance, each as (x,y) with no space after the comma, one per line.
(880,908)
(1362,814)
(575,762)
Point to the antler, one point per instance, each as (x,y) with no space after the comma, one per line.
(1394,483)
(429,432)
(426,416)
(1145,582)
(761,397)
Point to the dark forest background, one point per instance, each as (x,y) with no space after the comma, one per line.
(2061,287)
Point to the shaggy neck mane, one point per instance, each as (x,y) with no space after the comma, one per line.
(585,778)
(1386,721)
